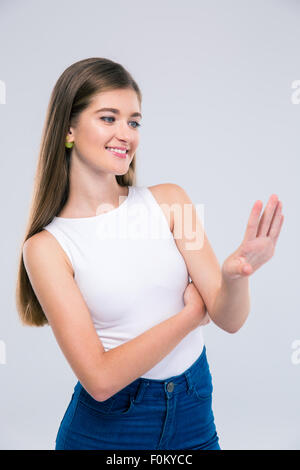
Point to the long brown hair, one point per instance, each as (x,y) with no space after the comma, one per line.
(72,93)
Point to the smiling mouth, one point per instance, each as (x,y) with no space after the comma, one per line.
(112,149)
(116,153)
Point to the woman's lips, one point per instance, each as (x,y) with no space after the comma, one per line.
(120,155)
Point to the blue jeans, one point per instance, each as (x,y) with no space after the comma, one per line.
(175,413)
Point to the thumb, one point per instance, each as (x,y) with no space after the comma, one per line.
(244,267)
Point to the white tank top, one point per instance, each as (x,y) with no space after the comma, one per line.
(131,274)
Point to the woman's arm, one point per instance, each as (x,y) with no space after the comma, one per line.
(127,362)
(232,305)
(225,290)
(66,310)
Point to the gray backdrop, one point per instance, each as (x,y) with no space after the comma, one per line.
(221,119)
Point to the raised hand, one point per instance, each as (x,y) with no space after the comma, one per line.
(258,245)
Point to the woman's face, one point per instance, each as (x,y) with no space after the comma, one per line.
(97,130)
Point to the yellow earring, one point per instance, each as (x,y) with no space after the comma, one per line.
(69,145)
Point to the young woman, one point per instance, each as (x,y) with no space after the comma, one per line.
(106,263)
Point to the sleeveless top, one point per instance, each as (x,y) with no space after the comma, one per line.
(131,274)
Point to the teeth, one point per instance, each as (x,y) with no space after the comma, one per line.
(116,150)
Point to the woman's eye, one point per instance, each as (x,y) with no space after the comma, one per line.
(111,117)
(137,124)
(107,117)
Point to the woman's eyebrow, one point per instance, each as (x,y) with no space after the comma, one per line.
(116,111)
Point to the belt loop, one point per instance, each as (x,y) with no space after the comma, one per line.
(140,391)
(189,382)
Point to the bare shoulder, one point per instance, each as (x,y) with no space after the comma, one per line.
(166,194)
(44,244)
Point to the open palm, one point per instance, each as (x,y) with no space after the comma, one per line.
(258,245)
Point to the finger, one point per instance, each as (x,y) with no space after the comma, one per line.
(253,221)
(244,267)
(266,218)
(247,269)
(239,266)
(276,233)
(273,230)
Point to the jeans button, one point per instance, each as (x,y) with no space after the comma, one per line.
(170,387)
